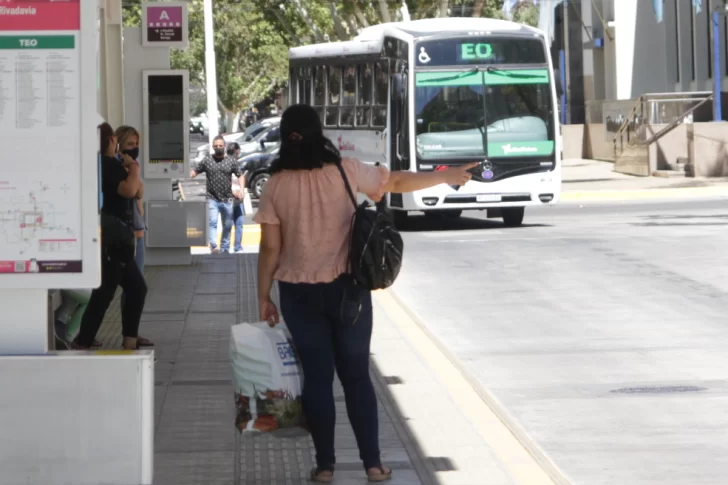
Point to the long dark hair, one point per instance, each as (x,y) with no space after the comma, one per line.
(303,144)
(106,132)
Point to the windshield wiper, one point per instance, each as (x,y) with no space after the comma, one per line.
(453,78)
(512,74)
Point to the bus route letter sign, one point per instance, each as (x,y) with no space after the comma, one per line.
(476,51)
(164,24)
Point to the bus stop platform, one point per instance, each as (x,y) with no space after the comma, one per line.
(427,435)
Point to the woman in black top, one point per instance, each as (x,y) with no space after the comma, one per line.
(119,185)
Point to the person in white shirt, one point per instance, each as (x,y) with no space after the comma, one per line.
(233,150)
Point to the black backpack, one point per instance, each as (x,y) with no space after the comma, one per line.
(375,253)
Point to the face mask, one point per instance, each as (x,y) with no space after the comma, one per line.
(132,152)
(219,152)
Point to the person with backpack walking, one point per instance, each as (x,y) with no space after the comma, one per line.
(305,215)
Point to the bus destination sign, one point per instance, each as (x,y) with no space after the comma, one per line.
(471,51)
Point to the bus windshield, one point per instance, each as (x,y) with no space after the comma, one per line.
(459,113)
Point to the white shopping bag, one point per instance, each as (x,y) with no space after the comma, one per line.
(247,203)
(268,381)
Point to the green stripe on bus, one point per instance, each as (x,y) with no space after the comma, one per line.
(520,148)
(492,78)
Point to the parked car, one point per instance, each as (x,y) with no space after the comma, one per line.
(250,140)
(255,166)
(198,125)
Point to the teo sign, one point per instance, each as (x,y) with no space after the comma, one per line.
(164,24)
(472,51)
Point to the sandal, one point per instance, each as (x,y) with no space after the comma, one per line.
(144,342)
(74,345)
(383,474)
(322,474)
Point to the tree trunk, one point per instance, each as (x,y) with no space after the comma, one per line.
(285,25)
(444,6)
(304,14)
(339,27)
(384,11)
(478,8)
(360,16)
(231,121)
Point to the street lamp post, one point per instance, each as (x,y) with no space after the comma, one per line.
(213,118)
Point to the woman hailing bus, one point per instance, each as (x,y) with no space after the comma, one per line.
(119,185)
(305,216)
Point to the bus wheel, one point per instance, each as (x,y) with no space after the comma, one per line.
(400,218)
(512,216)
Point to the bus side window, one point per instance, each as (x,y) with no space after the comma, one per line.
(319,91)
(348,99)
(304,91)
(381,94)
(365,95)
(332,108)
(304,85)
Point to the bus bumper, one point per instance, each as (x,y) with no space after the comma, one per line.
(532,190)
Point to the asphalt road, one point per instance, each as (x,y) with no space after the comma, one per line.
(601,331)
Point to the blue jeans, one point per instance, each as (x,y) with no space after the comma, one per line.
(225,211)
(238,220)
(331,326)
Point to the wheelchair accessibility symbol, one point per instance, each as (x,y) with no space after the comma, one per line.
(424,58)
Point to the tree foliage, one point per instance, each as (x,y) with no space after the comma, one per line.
(250,53)
(252,36)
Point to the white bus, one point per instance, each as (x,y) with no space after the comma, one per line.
(427,94)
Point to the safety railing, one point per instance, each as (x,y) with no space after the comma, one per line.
(657,108)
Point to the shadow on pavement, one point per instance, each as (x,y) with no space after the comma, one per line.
(425,224)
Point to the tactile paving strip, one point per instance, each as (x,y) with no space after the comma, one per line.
(265,460)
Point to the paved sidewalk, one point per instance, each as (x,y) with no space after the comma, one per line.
(594,175)
(188,315)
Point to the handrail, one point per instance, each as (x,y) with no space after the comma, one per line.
(629,117)
(676,122)
(699,93)
(639,104)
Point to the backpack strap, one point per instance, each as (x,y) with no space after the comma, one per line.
(346,182)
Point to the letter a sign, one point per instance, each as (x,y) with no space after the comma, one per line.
(164,24)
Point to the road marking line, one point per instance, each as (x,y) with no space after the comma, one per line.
(522,458)
(644,194)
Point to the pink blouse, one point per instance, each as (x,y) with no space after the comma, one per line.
(314,212)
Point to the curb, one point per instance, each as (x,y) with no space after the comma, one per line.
(550,468)
(642,194)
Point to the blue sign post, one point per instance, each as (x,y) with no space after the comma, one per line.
(562,71)
(717,74)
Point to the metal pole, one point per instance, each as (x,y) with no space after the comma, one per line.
(717,74)
(213,118)
(562,70)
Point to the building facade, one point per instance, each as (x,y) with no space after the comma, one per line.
(618,50)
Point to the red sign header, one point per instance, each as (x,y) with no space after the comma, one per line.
(40,15)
